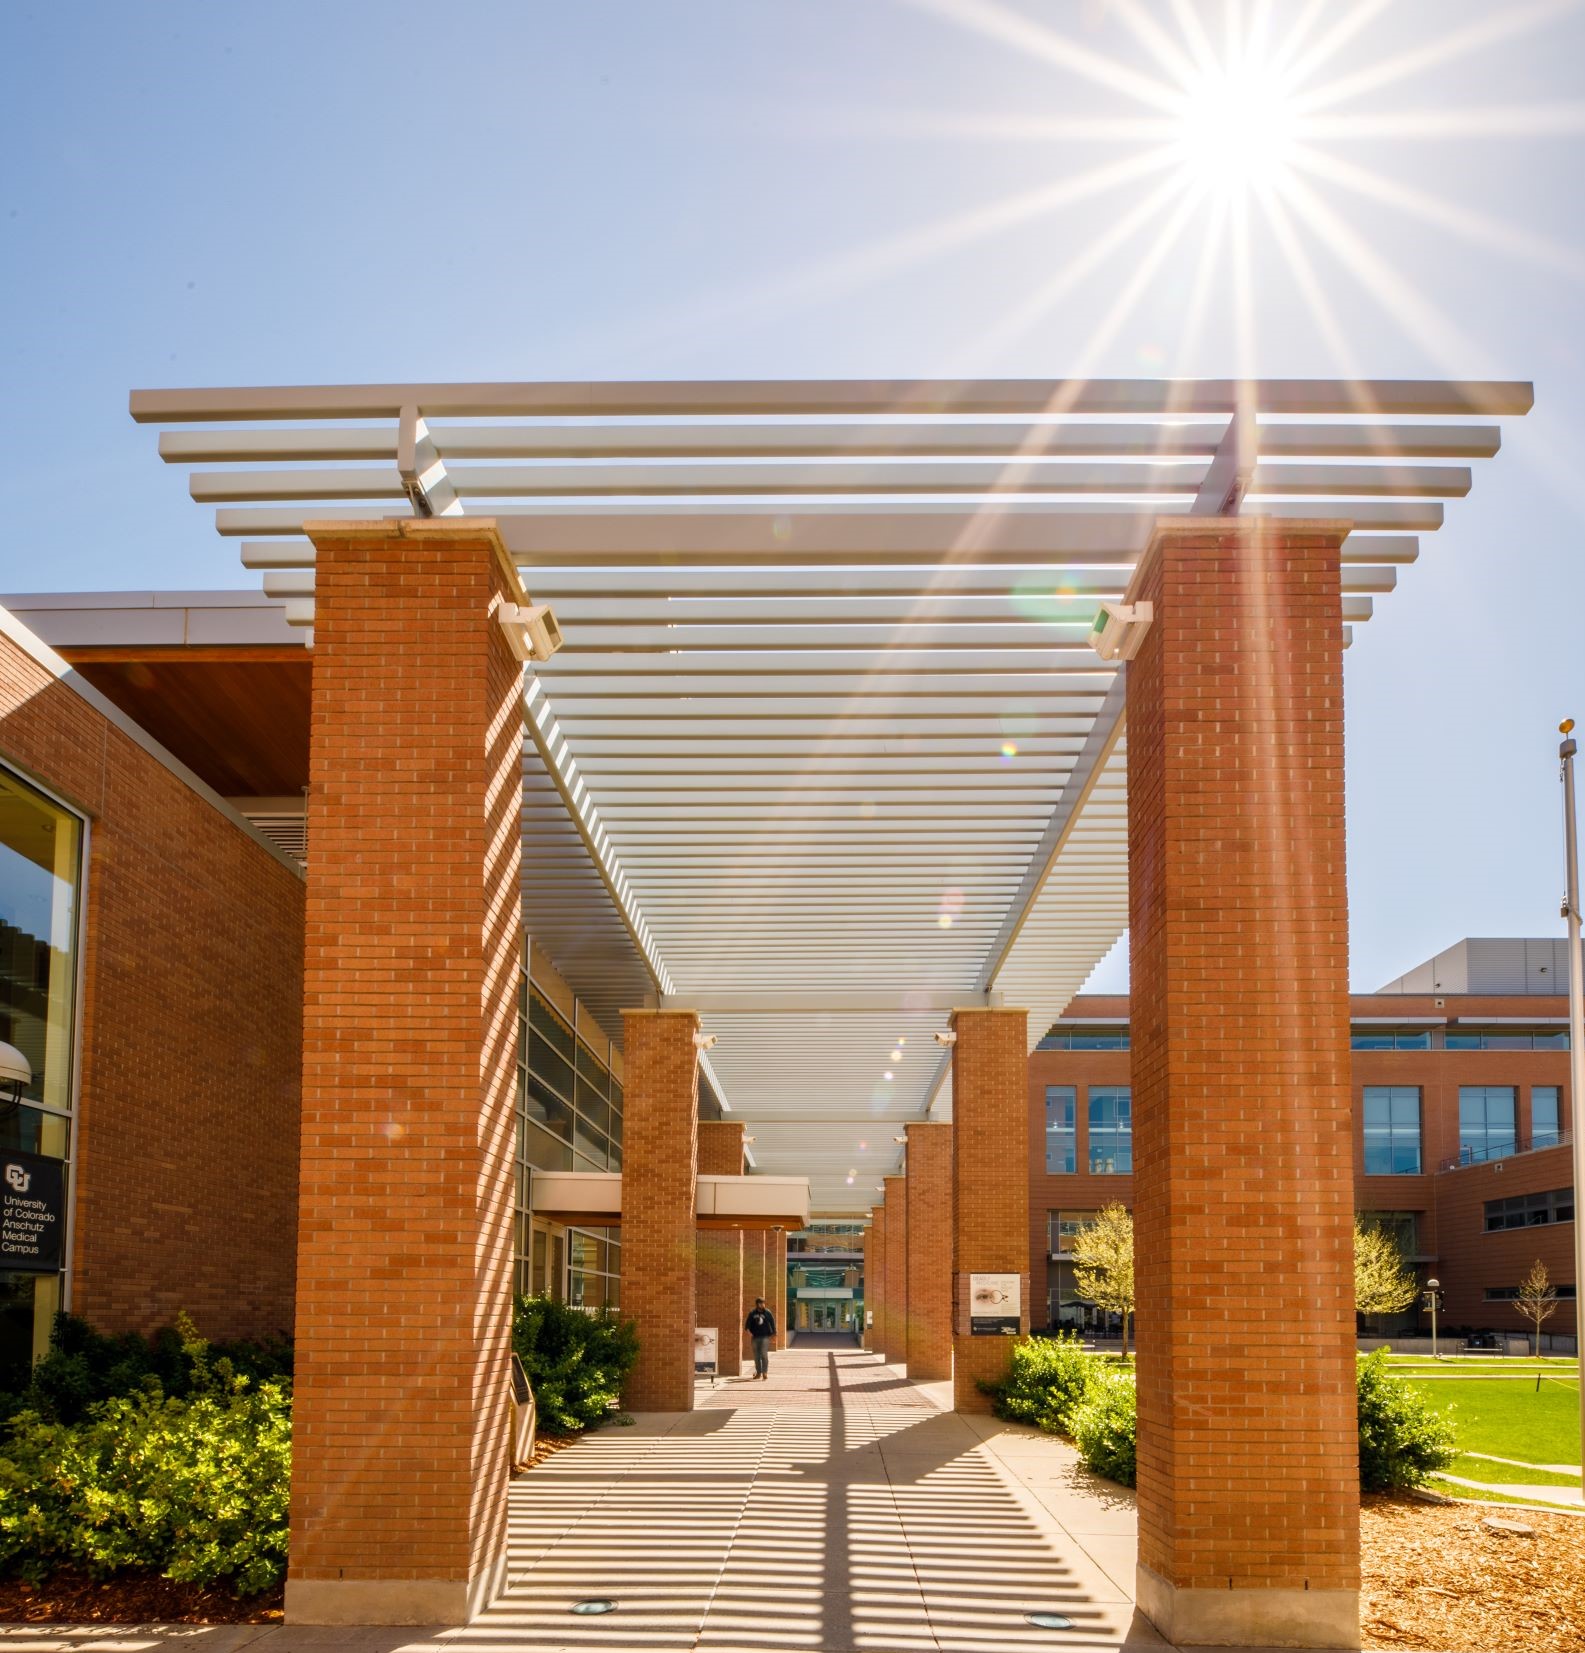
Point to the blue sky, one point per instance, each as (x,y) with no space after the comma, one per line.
(225,194)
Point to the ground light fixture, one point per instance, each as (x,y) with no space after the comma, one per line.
(1048,1621)
(594,1604)
(16,1074)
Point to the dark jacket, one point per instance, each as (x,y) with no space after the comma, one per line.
(760,1323)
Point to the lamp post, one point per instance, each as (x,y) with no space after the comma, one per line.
(1433,1299)
(1576,1024)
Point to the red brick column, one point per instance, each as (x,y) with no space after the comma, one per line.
(718,1252)
(876,1284)
(660,1130)
(778,1292)
(413,943)
(1248,1488)
(928,1187)
(756,1246)
(990,1204)
(896,1269)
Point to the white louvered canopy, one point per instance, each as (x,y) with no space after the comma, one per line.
(828,750)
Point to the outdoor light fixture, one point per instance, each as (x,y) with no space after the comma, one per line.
(532,632)
(705,1041)
(946,1038)
(899,1139)
(16,1074)
(1120,629)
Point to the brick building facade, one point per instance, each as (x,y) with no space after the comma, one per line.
(1430,1056)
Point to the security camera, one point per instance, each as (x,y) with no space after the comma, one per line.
(16,1074)
(1120,629)
(946,1038)
(532,632)
(705,1041)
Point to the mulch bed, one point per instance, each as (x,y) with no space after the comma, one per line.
(1436,1577)
(130,1598)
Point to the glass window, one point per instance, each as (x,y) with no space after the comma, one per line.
(1061,1226)
(1061,1134)
(1404,1226)
(40,873)
(1545,1116)
(1485,1122)
(1111,1130)
(1392,1130)
(1556,1205)
(1090,1038)
(1386,1039)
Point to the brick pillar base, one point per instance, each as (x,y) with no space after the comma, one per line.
(413,944)
(990,1204)
(660,1125)
(1248,1490)
(929,1191)
(876,1282)
(778,1292)
(718,1255)
(896,1270)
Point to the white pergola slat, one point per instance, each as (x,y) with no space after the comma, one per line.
(827,750)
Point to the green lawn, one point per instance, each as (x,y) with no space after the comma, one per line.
(1483,1469)
(1449,1490)
(1512,1420)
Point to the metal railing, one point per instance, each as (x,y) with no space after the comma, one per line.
(1509,1149)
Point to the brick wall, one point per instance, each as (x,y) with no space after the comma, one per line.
(990,1210)
(718,1257)
(756,1278)
(876,1277)
(659,1152)
(1238,918)
(1471,1260)
(191,1020)
(1450,1232)
(928,1187)
(897,1268)
(409,1041)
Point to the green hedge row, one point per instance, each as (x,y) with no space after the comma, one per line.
(1056,1386)
(168,1454)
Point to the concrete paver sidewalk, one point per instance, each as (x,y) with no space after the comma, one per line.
(834,1508)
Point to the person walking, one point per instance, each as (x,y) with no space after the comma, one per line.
(761,1328)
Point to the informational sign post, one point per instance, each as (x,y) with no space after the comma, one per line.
(995,1306)
(32,1213)
(706,1343)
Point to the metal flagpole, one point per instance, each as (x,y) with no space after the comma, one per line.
(1576,1042)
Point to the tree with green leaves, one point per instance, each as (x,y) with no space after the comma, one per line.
(1103,1263)
(1537,1299)
(1383,1280)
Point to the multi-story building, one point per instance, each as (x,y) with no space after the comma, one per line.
(1462,1126)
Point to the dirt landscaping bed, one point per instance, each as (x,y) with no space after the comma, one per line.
(132,1598)
(1437,1577)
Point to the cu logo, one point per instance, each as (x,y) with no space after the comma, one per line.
(18,1178)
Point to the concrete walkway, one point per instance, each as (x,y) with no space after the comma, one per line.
(836,1507)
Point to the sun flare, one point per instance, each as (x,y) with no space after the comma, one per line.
(1237,128)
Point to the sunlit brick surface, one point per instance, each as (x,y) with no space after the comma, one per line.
(875,1283)
(718,1253)
(191,1022)
(1243,1155)
(659,1153)
(897,1269)
(413,943)
(928,1186)
(990,1199)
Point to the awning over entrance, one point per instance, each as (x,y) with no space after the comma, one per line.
(594,1199)
(829,748)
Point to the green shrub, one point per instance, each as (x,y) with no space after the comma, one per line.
(196,1487)
(575,1360)
(1048,1379)
(84,1366)
(1403,1439)
(1103,1426)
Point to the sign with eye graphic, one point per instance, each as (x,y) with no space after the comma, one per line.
(995,1309)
